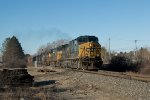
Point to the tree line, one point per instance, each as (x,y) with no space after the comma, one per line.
(14,57)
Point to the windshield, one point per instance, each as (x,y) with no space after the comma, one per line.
(87,39)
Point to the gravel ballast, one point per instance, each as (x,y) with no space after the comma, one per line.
(132,89)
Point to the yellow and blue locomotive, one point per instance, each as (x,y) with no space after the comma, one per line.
(83,52)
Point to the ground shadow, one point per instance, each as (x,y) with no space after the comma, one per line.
(59,90)
(43,83)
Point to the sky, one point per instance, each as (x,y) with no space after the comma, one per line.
(38,22)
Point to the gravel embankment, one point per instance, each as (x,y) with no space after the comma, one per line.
(120,87)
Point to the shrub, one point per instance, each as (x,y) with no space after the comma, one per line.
(121,64)
(143,67)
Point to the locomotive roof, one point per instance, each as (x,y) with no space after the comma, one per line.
(86,36)
(78,38)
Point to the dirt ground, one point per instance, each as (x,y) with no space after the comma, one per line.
(69,87)
(64,84)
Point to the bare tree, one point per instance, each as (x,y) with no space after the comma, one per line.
(41,49)
(105,55)
(52,45)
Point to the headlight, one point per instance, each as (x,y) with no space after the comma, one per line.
(90,45)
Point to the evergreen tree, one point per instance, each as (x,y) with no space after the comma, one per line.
(3,49)
(13,54)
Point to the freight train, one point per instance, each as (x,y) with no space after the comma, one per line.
(83,52)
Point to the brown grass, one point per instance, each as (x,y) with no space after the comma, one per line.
(145,70)
(26,93)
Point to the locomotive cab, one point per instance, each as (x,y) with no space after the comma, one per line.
(89,53)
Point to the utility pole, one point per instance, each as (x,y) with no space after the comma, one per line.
(109,50)
(135,41)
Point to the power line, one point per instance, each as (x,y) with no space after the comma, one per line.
(135,45)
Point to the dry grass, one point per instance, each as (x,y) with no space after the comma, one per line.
(45,70)
(26,93)
(145,70)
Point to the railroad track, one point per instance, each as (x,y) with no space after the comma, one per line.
(125,75)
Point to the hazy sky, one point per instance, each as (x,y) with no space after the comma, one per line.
(37,22)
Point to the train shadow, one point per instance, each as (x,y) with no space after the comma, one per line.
(50,82)
(105,67)
(44,83)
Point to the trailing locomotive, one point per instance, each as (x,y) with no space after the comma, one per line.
(83,52)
